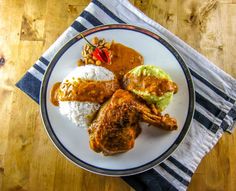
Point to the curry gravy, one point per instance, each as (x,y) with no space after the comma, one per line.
(123,59)
(150,84)
(83,90)
(54,97)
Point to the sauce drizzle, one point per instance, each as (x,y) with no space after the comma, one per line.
(156,86)
(83,90)
(123,59)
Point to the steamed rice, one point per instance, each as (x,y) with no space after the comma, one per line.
(80,113)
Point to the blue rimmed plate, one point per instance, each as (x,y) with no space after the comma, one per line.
(153,145)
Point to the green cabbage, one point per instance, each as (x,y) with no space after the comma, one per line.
(160,101)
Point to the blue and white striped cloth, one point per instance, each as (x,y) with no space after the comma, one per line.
(215,110)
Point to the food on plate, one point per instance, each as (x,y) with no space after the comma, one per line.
(98,52)
(152,84)
(82,91)
(116,126)
(91,95)
(114,56)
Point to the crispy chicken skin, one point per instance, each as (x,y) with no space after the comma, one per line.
(116,126)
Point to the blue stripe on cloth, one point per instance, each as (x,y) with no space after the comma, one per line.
(224,125)
(107,11)
(232,113)
(209,106)
(44,60)
(174,174)
(78,26)
(135,183)
(92,19)
(150,180)
(221,115)
(30,85)
(41,70)
(205,121)
(211,86)
(180,166)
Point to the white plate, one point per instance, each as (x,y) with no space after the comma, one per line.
(153,145)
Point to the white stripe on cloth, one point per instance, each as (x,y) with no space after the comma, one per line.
(55,47)
(42,65)
(209,115)
(170,178)
(231,127)
(228,119)
(177,170)
(212,76)
(122,12)
(36,73)
(196,144)
(215,75)
(84,22)
(214,97)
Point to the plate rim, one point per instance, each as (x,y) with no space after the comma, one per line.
(115,172)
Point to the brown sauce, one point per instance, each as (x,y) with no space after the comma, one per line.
(150,84)
(83,90)
(54,97)
(123,59)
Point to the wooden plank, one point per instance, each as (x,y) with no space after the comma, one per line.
(22,124)
(9,39)
(228,37)
(74,9)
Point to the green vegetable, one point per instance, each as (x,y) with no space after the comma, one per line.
(148,70)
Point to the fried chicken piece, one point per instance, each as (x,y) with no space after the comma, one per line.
(116,126)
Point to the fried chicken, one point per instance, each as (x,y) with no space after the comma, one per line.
(116,126)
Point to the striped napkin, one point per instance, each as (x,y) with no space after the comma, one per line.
(215,110)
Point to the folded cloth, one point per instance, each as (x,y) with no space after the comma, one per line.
(215,111)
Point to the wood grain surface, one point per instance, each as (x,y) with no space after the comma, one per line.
(28,160)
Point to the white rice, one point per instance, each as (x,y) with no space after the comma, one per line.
(79,112)
(90,72)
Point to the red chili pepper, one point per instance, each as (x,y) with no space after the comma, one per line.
(102,55)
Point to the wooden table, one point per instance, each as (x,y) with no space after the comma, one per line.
(28,159)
